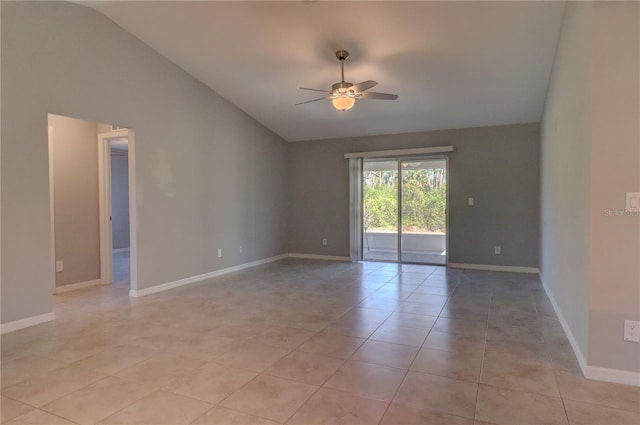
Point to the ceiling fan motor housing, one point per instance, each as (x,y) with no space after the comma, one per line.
(341,87)
(342,55)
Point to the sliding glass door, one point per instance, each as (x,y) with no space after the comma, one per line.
(380,210)
(423,205)
(404,210)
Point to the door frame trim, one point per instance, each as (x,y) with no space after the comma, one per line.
(399,224)
(105,210)
(52,210)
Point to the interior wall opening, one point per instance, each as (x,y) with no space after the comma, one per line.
(92,219)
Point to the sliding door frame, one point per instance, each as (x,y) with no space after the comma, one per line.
(399,160)
(399,224)
(362,230)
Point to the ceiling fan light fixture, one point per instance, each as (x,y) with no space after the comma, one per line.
(343,103)
(343,94)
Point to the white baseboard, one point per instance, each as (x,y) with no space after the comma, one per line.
(79,285)
(25,323)
(193,279)
(596,373)
(495,268)
(567,330)
(318,257)
(118,250)
(616,376)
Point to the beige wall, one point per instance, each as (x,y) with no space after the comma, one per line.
(590,151)
(76,214)
(615,170)
(498,166)
(208,175)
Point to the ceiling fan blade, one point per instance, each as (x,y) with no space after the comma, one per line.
(381,96)
(314,100)
(365,85)
(323,91)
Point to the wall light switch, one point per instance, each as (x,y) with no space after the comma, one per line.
(470,202)
(633,202)
(632,330)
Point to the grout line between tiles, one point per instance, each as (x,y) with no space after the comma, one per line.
(404,378)
(555,377)
(484,351)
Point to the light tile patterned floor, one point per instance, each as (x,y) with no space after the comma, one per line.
(121,268)
(308,342)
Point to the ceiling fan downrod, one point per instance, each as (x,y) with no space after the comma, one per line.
(340,88)
(342,56)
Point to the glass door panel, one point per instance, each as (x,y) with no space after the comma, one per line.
(423,211)
(380,210)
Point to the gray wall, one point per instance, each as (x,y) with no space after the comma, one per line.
(591,157)
(120,199)
(497,166)
(208,175)
(566,171)
(76,217)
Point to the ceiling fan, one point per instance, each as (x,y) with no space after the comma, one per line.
(343,95)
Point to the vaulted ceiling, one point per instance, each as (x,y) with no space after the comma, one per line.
(453,64)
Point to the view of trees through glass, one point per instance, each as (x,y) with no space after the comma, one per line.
(423,200)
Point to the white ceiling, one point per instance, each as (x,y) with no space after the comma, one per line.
(453,64)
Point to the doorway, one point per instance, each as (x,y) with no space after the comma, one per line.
(84,200)
(116,220)
(121,249)
(405,210)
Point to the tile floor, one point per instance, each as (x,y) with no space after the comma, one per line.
(121,268)
(304,342)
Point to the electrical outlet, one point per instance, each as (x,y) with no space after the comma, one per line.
(633,202)
(470,202)
(219,253)
(632,330)
(59,266)
(240,250)
(497,250)
(324,242)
